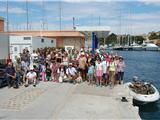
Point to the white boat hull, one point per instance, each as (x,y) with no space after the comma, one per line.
(137,48)
(144,98)
(151,48)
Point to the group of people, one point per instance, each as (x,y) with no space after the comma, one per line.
(100,68)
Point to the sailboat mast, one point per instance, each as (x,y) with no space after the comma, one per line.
(43,15)
(99,21)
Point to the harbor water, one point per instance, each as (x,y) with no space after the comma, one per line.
(145,65)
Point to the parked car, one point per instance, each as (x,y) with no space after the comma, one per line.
(3,81)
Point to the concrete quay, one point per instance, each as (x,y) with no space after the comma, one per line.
(66,101)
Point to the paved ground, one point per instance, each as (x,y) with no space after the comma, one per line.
(66,101)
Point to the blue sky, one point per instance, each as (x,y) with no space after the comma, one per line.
(123,16)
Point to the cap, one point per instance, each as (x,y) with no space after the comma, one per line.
(82,53)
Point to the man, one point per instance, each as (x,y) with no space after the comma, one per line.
(71,72)
(31,77)
(11,76)
(19,70)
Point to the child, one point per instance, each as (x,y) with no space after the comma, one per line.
(90,73)
(54,68)
(99,72)
(48,73)
(42,70)
(79,79)
(60,72)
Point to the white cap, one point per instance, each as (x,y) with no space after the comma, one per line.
(82,53)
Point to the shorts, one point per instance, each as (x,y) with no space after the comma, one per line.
(105,76)
(99,73)
(90,76)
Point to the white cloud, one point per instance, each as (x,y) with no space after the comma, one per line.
(14,10)
(144,16)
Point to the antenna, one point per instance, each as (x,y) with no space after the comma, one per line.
(73,23)
(7,17)
(60,15)
(27,14)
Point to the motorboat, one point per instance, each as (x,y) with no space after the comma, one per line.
(148,46)
(143,92)
(136,47)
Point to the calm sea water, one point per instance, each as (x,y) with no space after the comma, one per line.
(145,65)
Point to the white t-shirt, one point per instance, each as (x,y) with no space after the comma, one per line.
(34,56)
(99,66)
(71,71)
(31,75)
(104,66)
(61,72)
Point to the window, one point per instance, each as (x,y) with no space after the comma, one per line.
(15,49)
(51,41)
(15,57)
(42,40)
(27,38)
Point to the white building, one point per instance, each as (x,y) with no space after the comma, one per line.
(18,43)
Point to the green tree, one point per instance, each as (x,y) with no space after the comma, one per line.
(139,39)
(111,39)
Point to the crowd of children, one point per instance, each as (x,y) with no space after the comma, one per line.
(51,64)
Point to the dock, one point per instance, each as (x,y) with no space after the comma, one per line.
(51,100)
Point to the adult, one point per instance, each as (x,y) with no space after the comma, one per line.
(10,75)
(105,72)
(19,70)
(65,61)
(120,69)
(34,56)
(82,65)
(31,77)
(71,73)
(112,71)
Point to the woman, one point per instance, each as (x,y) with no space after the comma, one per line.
(112,71)
(65,61)
(120,69)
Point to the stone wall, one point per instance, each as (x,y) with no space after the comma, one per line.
(76,42)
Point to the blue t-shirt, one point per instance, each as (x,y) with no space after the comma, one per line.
(91,69)
(10,70)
